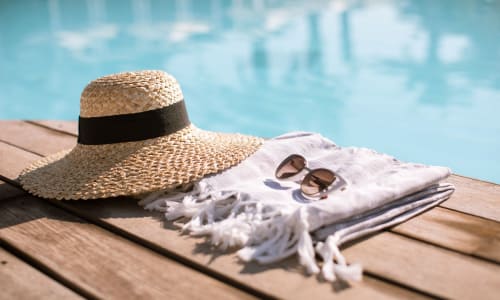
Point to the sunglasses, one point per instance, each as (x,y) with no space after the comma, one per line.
(315,182)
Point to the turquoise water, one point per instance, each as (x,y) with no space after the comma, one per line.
(419,80)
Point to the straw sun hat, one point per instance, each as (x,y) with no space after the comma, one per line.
(134,137)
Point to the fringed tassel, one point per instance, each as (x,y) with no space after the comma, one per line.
(305,248)
(266,233)
(334,263)
(286,234)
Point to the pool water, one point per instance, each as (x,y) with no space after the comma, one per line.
(419,80)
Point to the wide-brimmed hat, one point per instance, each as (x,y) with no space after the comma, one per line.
(134,137)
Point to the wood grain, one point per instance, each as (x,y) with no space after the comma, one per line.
(70,127)
(97,261)
(8,191)
(21,281)
(13,161)
(475,197)
(34,138)
(282,280)
(426,267)
(450,229)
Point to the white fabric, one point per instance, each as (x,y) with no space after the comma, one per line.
(270,219)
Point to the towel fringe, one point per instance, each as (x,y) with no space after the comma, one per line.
(265,233)
(334,262)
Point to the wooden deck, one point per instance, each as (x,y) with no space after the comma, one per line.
(114,249)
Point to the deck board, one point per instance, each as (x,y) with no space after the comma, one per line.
(96,261)
(283,280)
(475,197)
(9,191)
(464,194)
(450,229)
(13,161)
(466,224)
(34,138)
(21,281)
(426,267)
(70,127)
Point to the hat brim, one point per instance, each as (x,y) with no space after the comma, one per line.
(133,168)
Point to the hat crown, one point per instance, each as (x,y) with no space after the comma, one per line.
(128,93)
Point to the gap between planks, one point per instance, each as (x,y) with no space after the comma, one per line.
(264,276)
(303,287)
(97,262)
(463,201)
(22,281)
(13,190)
(399,263)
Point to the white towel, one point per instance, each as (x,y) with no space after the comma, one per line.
(270,219)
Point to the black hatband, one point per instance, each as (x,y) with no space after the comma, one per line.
(133,127)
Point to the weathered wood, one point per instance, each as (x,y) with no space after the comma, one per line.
(265,278)
(97,261)
(13,161)
(426,267)
(463,196)
(19,280)
(450,229)
(34,138)
(8,191)
(279,280)
(475,197)
(283,279)
(472,196)
(70,127)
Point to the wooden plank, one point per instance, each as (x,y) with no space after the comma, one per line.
(33,138)
(475,197)
(460,232)
(466,198)
(13,161)
(97,261)
(279,280)
(426,267)
(140,230)
(8,191)
(70,127)
(403,278)
(282,280)
(472,196)
(21,281)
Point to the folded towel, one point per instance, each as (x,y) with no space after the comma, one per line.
(270,219)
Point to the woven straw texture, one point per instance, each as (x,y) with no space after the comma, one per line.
(133,168)
(130,92)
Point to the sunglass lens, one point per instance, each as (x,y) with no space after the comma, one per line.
(317,181)
(291,166)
